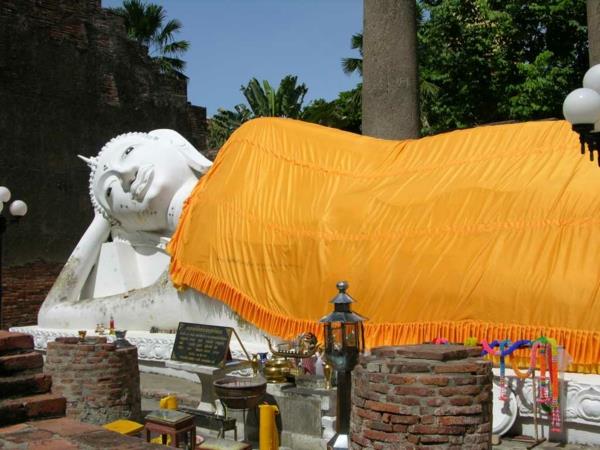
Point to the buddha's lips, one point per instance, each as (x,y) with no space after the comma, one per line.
(142,182)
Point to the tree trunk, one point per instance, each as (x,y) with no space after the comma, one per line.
(593,23)
(390,107)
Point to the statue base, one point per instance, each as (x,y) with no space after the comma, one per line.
(580,394)
(154,349)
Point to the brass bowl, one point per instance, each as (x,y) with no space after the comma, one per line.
(277,369)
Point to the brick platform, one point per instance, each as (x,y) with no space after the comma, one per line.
(24,389)
(66,434)
(415,396)
(100,381)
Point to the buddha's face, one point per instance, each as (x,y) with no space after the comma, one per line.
(136,178)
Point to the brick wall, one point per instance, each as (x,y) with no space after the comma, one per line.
(100,382)
(24,289)
(415,396)
(70,80)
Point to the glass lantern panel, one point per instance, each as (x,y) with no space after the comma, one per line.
(350,335)
(337,337)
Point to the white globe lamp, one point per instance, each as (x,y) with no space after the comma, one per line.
(18,208)
(591,79)
(4,194)
(582,106)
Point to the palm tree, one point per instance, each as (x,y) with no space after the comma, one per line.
(285,101)
(146,24)
(263,101)
(351,65)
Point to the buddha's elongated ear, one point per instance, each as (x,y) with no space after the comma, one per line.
(194,158)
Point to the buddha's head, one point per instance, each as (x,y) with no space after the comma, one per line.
(136,176)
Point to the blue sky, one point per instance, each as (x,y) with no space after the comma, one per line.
(235,40)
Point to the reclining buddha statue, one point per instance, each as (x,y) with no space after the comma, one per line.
(487,233)
(138,185)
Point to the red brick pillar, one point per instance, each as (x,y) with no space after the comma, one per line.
(100,382)
(414,395)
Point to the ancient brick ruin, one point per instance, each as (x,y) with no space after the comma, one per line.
(409,396)
(100,381)
(70,79)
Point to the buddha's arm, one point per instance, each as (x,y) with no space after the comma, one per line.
(75,272)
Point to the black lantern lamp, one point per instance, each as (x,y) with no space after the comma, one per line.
(582,109)
(344,341)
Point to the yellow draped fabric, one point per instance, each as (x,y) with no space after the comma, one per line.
(492,232)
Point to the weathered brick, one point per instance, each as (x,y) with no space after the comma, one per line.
(434,439)
(377,377)
(21,361)
(381,436)
(460,390)
(462,400)
(379,425)
(404,419)
(401,379)
(15,342)
(459,420)
(413,438)
(368,413)
(428,420)
(414,390)
(359,439)
(384,407)
(409,401)
(458,410)
(437,380)
(435,402)
(11,386)
(463,367)
(382,388)
(408,367)
(436,429)
(400,428)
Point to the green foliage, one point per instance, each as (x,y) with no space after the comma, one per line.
(263,101)
(344,112)
(351,65)
(496,60)
(146,24)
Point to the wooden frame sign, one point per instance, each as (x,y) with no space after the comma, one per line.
(205,345)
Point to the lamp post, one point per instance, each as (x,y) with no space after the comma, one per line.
(17,209)
(582,109)
(344,341)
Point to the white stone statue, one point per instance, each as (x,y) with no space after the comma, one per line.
(119,268)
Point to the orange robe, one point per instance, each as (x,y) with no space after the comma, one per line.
(491,232)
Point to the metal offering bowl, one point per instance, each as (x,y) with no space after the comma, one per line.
(240,393)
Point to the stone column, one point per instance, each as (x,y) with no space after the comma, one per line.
(593,23)
(414,395)
(390,107)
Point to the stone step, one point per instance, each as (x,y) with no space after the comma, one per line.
(31,408)
(31,361)
(11,343)
(22,385)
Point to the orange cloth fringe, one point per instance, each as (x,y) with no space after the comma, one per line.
(583,346)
